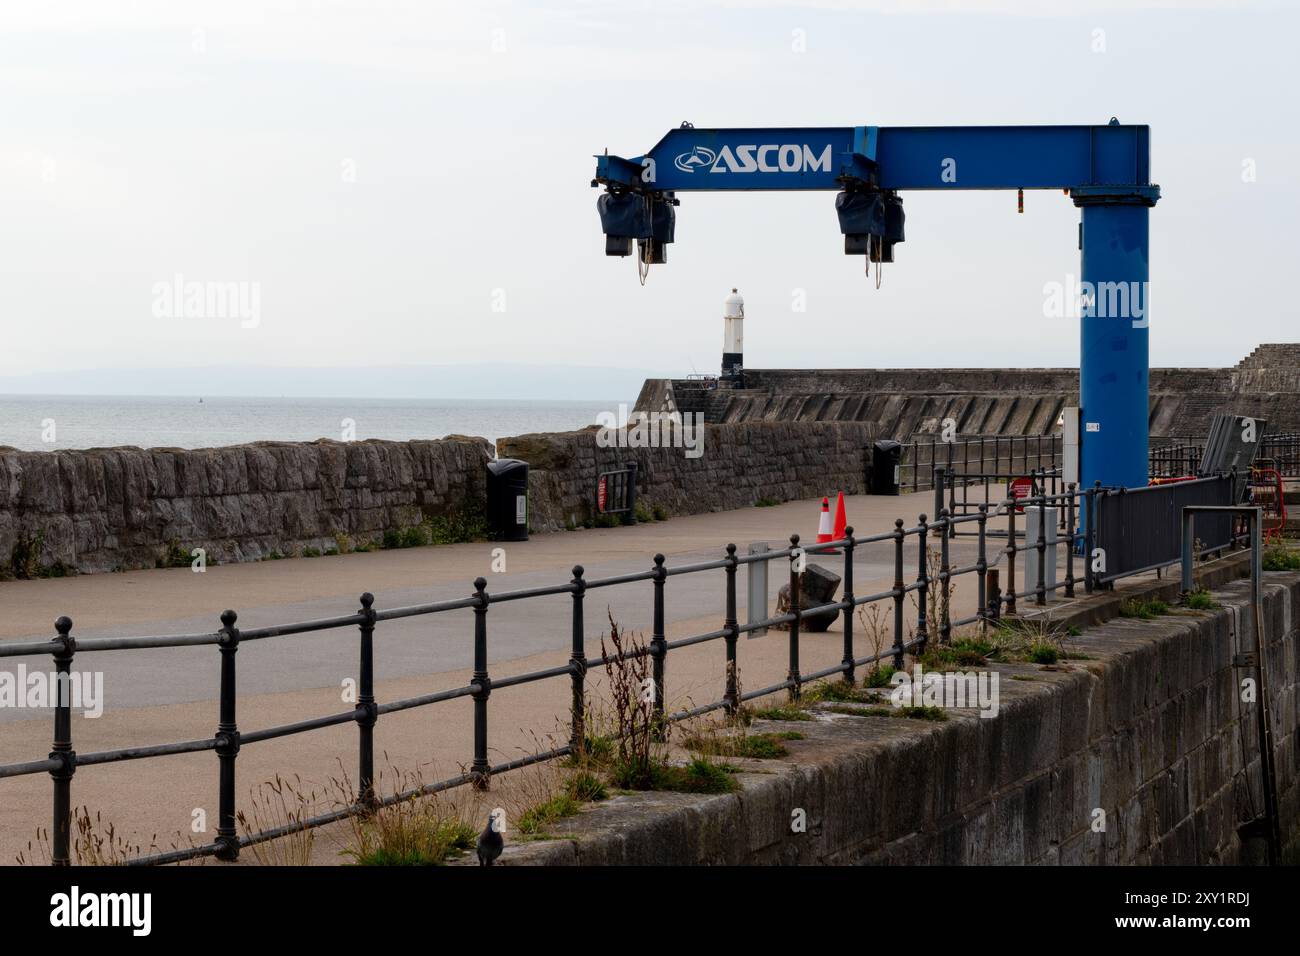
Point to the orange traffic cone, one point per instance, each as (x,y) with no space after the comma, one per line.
(841,519)
(824,526)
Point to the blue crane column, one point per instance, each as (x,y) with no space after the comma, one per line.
(1114,350)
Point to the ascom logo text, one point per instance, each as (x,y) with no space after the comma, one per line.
(755,158)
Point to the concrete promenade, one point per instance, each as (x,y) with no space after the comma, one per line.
(159,696)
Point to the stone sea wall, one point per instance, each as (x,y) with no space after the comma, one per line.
(1139,751)
(121,508)
(739,465)
(118,508)
(900,403)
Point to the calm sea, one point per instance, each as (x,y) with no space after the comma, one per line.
(87,421)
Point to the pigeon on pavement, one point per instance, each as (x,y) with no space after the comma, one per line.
(490,844)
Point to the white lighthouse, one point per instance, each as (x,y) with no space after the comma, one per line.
(733,347)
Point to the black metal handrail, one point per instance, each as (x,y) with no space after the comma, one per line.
(1175,457)
(992,602)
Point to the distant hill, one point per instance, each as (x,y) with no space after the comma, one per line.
(477,381)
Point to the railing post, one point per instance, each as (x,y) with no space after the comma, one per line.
(366,711)
(952,493)
(792,674)
(578,667)
(850,672)
(898,594)
(1012,550)
(1040,586)
(61,835)
(982,563)
(938,480)
(923,587)
(658,646)
(227,741)
(945,617)
(1090,536)
(480,769)
(1070,532)
(731,623)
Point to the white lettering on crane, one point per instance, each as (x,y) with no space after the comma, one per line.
(758,158)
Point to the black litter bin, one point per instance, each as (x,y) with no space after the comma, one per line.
(886,463)
(507,499)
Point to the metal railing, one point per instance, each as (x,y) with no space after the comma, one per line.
(1139,529)
(930,540)
(1280,452)
(963,494)
(1005,456)
(1175,457)
(1175,460)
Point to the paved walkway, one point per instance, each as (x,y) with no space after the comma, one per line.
(170,694)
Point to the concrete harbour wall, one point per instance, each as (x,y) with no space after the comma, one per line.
(1146,726)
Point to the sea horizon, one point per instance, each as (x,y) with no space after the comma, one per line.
(56,422)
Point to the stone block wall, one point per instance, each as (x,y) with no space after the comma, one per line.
(740,464)
(118,508)
(111,508)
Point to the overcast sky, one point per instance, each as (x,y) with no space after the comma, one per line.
(409,182)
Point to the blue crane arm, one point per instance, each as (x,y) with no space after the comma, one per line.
(886,157)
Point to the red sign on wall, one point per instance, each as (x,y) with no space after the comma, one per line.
(1021,489)
(600,495)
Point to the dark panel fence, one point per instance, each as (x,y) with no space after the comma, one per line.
(921,561)
(1140,529)
(1004,456)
